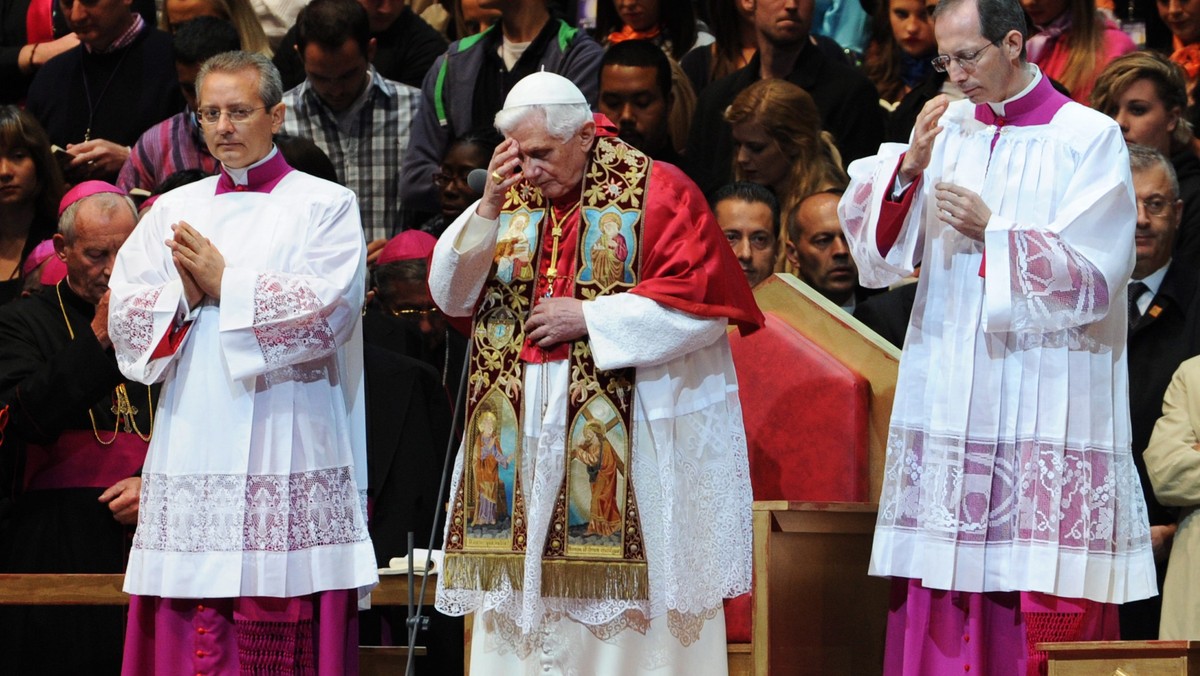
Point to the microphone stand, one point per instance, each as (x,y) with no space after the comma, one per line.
(416,620)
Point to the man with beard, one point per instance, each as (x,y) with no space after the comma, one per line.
(635,93)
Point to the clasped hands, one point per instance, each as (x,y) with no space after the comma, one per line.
(957,207)
(201,267)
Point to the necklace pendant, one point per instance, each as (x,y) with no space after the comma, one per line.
(87,135)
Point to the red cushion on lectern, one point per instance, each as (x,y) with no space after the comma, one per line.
(806,417)
(739,617)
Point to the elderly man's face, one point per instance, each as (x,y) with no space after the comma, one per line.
(820,253)
(750,229)
(992,74)
(1155,235)
(555,167)
(338,76)
(89,256)
(630,97)
(98,23)
(238,144)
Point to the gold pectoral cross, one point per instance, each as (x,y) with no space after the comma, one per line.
(124,409)
(556,233)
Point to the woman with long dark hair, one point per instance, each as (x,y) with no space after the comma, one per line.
(31,185)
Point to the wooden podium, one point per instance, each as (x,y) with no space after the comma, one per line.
(1123,658)
(816,388)
(105,590)
(822,614)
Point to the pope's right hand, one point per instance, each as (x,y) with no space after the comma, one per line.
(503,173)
(925,131)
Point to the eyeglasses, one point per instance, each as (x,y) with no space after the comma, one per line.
(968,61)
(211,116)
(416,313)
(1157,206)
(441,179)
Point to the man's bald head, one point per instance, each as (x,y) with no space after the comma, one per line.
(90,232)
(818,249)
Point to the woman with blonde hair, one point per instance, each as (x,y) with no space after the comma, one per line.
(1073,42)
(237,12)
(778,142)
(1147,95)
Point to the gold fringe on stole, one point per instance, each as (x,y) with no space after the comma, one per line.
(485,572)
(595,579)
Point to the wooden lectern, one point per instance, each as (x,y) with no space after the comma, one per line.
(1123,658)
(816,388)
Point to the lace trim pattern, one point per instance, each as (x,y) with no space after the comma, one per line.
(289,321)
(1054,286)
(260,512)
(133,326)
(687,626)
(1012,492)
(504,636)
(694,498)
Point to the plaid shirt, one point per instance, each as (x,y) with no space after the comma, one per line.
(367,159)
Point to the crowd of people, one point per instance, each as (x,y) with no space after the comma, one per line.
(1006,191)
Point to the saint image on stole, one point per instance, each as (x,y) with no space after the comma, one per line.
(598,473)
(491,474)
(603,464)
(606,254)
(513,257)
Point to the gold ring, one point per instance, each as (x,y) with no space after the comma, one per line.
(497,177)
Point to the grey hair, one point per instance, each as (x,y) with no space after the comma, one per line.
(270,85)
(563,120)
(996,19)
(1142,158)
(106,202)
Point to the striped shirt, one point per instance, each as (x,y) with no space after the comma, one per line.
(172,145)
(366,148)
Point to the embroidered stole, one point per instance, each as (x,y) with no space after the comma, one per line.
(593,546)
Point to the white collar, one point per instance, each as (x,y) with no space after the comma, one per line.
(998,108)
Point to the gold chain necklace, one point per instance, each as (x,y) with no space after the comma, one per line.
(123,409)
(556,232)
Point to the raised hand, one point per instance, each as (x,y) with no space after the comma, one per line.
(504,164)
(925,131)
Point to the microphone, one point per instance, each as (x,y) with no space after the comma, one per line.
(477,180)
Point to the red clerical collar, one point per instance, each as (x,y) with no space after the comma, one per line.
(262,178)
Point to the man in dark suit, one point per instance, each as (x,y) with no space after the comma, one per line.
(1163,332)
